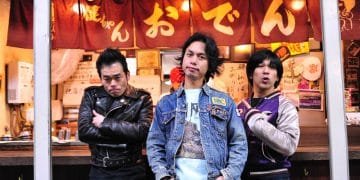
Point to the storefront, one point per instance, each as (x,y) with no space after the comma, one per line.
(328,147)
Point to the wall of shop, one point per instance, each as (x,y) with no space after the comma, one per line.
(8,54)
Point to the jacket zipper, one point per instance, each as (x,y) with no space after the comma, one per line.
(113,109)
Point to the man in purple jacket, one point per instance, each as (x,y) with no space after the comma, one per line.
(270,120)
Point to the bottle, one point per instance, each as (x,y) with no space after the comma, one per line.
(67,134)
(77,135)
(61,135)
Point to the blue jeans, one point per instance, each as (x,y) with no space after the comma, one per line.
(136,172)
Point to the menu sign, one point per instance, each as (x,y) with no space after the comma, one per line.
(85,76)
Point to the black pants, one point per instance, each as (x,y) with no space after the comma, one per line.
(136,172)
(276,176)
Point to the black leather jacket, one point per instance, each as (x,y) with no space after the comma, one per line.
(124,130)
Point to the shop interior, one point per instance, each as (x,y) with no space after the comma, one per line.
(73,69)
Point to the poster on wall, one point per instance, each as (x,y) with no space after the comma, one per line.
(85,75)
(353,118)
(150,83)
(352,62)
(302,73)
(234,81)
(149,58)
(131,63)
(351,73)
(311,100)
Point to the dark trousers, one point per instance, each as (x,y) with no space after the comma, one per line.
(136,172)
(276,176)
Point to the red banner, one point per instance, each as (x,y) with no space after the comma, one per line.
(349,14)
(97,24)
(228,21)
(349,17)
(65,22)
(160,23)
(20,32)
(279,21)
(315,18)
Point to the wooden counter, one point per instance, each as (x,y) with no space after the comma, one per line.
(72,161)
(77,153)
(21,153)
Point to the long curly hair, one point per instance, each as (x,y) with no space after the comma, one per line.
(211,50)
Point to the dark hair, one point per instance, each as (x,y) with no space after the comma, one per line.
(258,57)
(211,50)
(110,56)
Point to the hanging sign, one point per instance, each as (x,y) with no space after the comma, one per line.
(278,21)
(160,23)
(228,21)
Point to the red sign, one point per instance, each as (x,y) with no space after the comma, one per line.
(349,17)
(160,23)
(228,21)
(93,24)
(99,24)
(20,32)
(349,14)
(65,24)
(278,21)
(315,18)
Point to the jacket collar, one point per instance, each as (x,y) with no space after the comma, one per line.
(205,88)
(129,92)
(271,95)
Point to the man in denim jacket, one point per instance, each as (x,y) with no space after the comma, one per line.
(196,133)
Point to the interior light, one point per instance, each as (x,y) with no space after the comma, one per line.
(76,8)
(241,52)
(297,4)
(245,48)
(185,5)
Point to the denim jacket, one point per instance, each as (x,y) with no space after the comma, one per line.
(222,134)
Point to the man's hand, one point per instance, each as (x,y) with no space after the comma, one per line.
(97,119)
(247,105)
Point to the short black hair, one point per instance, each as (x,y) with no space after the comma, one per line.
(211,50)
(257,58)
(110,56)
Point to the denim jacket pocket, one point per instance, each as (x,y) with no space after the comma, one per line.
(219,112)
(168,122)
(220,117)
(168,117)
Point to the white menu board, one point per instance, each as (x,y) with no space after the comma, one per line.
(234,77)
(85,76)
(151,83)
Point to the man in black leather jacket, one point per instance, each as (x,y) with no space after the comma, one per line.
(114,120)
